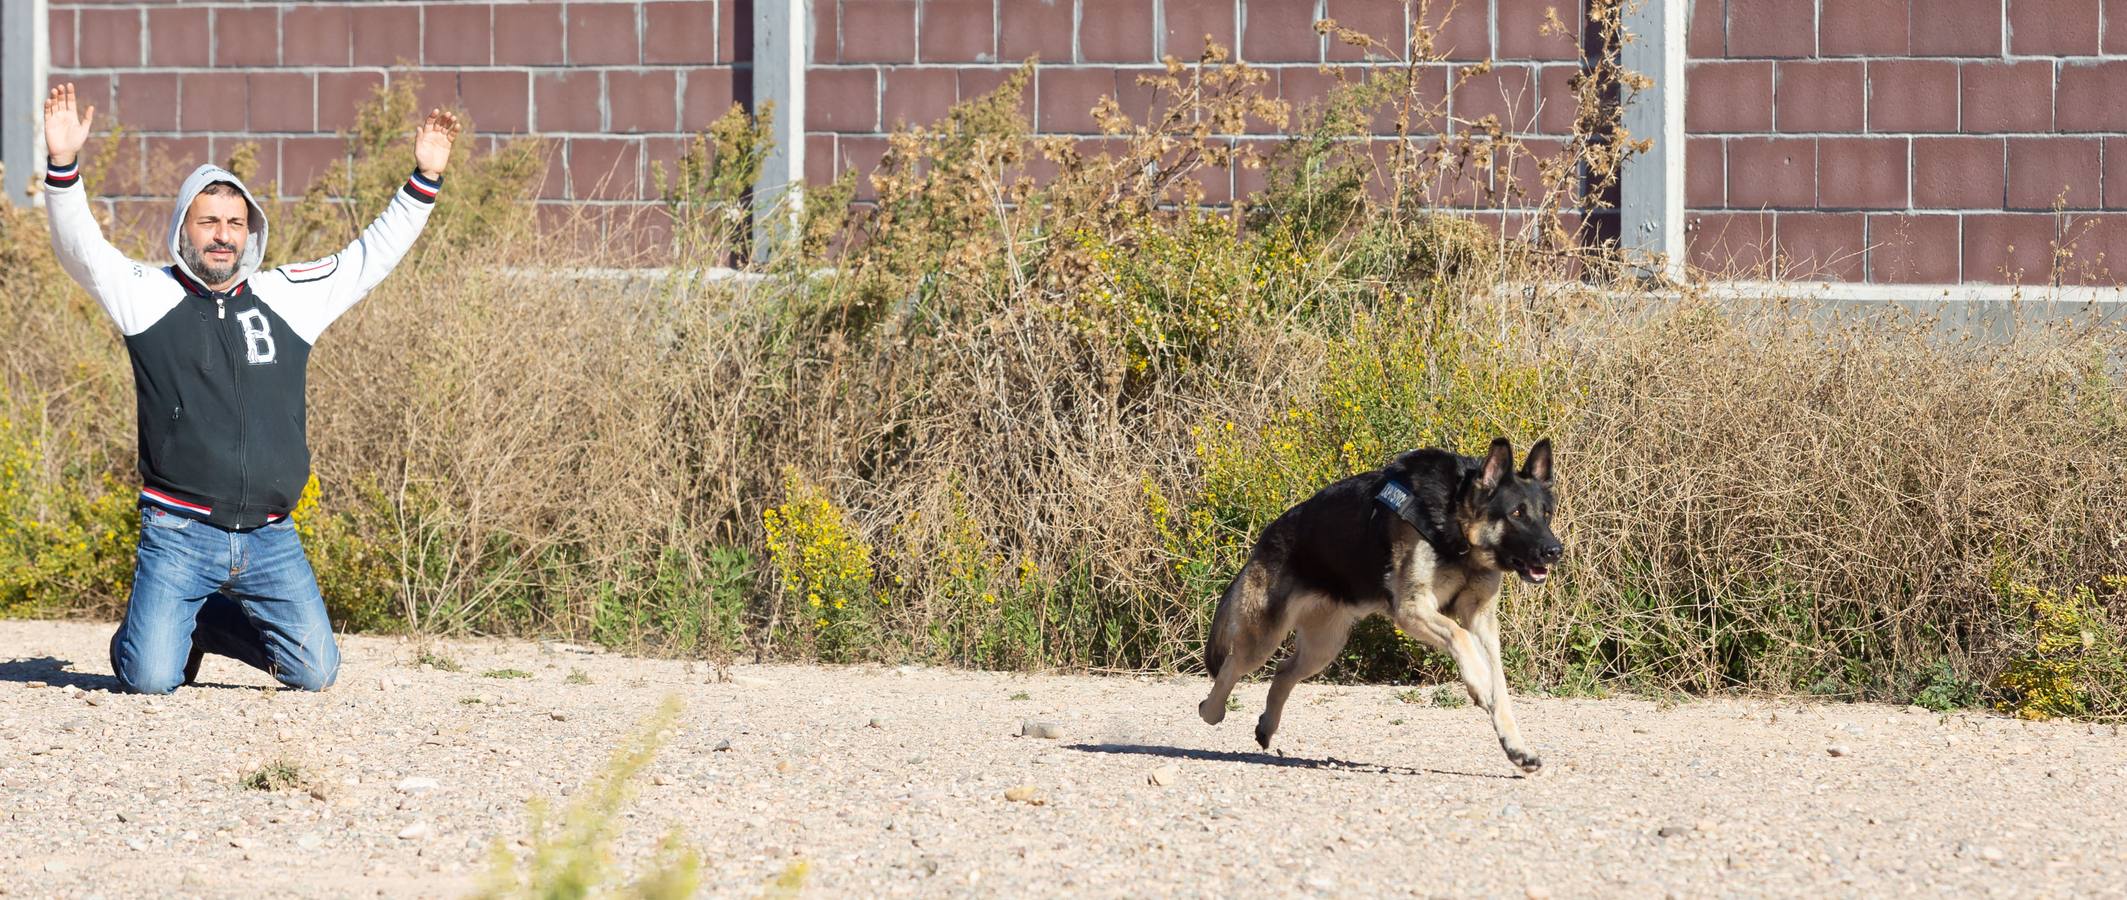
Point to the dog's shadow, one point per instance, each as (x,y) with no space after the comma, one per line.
(53,671)
(1273,759)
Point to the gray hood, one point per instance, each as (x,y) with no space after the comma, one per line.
(254,246)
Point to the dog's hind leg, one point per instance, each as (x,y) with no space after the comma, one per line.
(1484,626)
(1251,629)
(1324,626)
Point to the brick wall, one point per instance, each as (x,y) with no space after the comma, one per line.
(877,63)
(615,86)
(1929,141)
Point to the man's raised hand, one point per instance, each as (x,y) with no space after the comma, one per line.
(432,143)
(66,127)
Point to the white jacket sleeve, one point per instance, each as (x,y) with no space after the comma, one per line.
(310,295)
(134,294)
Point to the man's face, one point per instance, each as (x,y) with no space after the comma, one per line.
(216,228)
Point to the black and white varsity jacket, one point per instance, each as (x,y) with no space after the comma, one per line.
(218,376)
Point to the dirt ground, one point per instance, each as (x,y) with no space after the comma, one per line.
(893,781)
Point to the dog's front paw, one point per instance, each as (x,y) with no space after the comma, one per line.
(1524,760)
(1213,713)
(1264,729)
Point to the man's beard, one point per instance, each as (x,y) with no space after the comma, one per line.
(197,262)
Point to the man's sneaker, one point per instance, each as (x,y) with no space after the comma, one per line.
(192,665)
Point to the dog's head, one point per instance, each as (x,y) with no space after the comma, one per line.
(1506,515)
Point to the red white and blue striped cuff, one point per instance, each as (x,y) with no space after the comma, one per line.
(62,176)
(423,189)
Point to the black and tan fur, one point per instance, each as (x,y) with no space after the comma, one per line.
(1340,556)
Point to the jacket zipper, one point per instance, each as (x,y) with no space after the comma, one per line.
(236,379)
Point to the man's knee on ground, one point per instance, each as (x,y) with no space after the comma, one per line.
(141,679)
(313,674)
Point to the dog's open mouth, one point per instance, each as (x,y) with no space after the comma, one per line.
(1534,574)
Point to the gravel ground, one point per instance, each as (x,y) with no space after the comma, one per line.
(893,782)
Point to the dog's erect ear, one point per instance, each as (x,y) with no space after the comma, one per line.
(1497,463)
(1538,463)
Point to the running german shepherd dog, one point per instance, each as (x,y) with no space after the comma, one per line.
(1424,541)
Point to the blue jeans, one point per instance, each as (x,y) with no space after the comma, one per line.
(248,595)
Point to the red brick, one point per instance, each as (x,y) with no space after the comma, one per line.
(497,101)
(1728,97)
(1863,28)
(1507,92)
(282,101)
(2008,248)
(60,33)
(304,160)
(1821,245)
(602,34)
(1730,243)
(1819,96)
(122,173)
(2053,27)
(1912,95)
(1215,182)
(265,159)
(1907,249)
(826,32)
(2043,171)
(1459,31)
(1705,174)
(1861,173)
(819,159)
(1958,173)
(95,90)
(734,45)
(171,159)
(1279,32)
(916,96)
(1785,28)
(340,94)
(1708,38)
(842,100)
(315,35)
(457,34)
(959,31)
(386,35)
(146,101)
(1772,172)
(554,180)
(879,31)
(1035,27)
(682,33)
(605,169)
(432,89)
(1064,98)
(2012,96)
(1560,106)
(109,38)
(1303,88)
(566,100)
(211,101)
(181,37)
(1138,101)
(707,96)
(1524,32)
(246,36)
(972,83)
(1957,28)
(2089,96)
(2095,251)
(2115,186)
(861,154)
(642,102)
(528,35)
(2115,26)
(1382,20)
(1117,31)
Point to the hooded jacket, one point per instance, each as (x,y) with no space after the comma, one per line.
(219,376)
